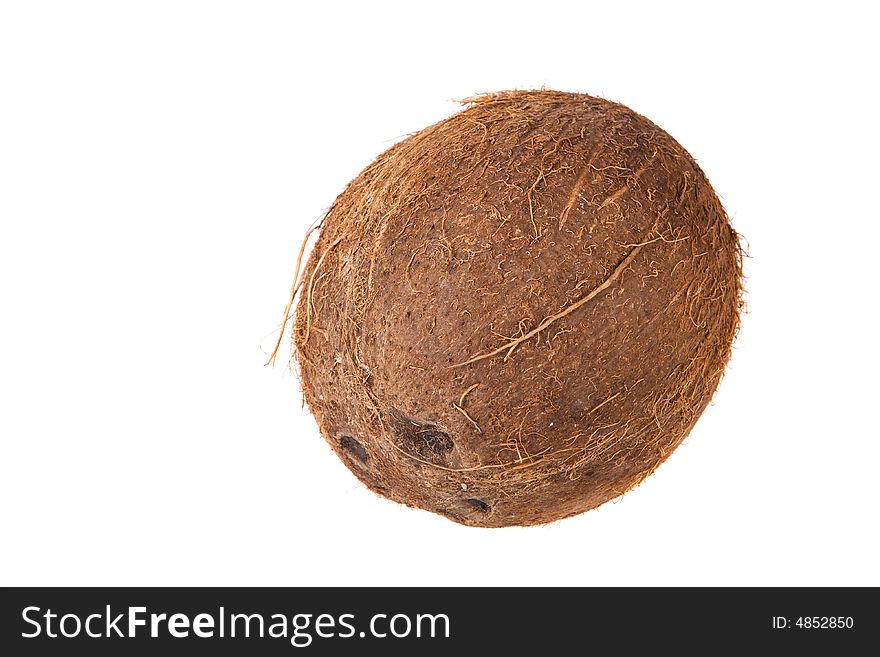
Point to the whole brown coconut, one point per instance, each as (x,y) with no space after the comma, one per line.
(517,314)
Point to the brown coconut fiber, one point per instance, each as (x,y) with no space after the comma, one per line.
(515,315)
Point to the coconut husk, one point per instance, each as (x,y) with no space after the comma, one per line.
(515,315)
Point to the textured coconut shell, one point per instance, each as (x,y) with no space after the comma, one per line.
(517,314)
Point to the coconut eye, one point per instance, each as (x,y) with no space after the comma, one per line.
(353,448)
(478,505)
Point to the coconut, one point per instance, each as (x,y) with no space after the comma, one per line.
(515,315)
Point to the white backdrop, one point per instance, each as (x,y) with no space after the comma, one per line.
(159,164)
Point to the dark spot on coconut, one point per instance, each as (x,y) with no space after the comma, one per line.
(353,448)
(422,439)
(478,505)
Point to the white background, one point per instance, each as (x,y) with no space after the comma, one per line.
(159,164)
